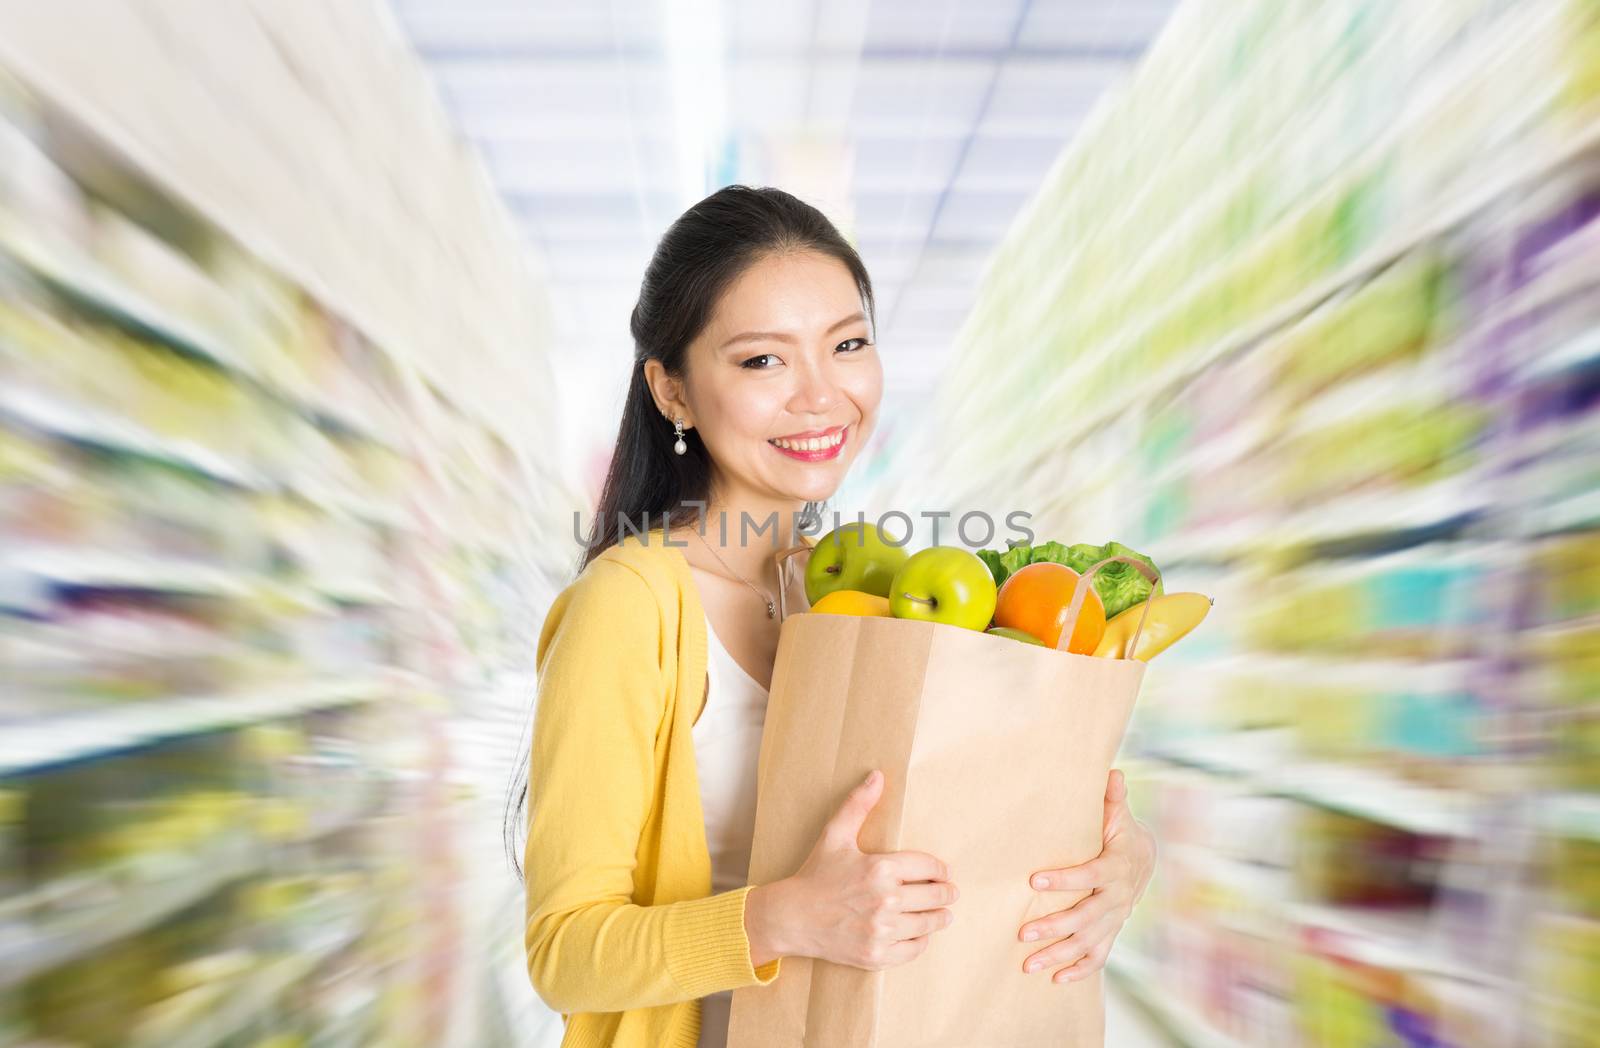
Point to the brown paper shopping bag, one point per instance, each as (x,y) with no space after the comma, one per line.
(996,755)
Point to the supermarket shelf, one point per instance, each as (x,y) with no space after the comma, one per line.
(67,566)
(346,1028)
(1375,797)
(250,1000)
(1244,754)
(1139,978)
(1561,628)
(1575,815)
(1345,788)
(51,414)
(35,745)
(1393,939)
(129,902)
(1579,353)
(344,815)
(1572,275)
(1367,522)
(1550,438)
(1565,146)
(312,475)
(349,818)
(1386,937)
(89,286)
(87,283)
(354,591)
(64,566)
(347,504)
(1579,512)
(1259,882)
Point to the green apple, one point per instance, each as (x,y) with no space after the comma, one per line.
(852,557)
(944,584)
(1014,634)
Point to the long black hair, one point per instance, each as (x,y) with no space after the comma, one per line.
(697,260)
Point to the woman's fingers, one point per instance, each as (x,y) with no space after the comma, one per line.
(1102,871)
(1088,964)
(912,866)
(916,897)
(920,925)
(1069,950)
(1063,923)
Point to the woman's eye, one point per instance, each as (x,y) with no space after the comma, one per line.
(863,344)
(755,363)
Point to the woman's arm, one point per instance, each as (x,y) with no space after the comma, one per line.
(592,778)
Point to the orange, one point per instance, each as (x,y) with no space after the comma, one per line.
(1035,600)
(852,602)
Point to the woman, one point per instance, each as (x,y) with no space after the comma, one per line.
(755,384)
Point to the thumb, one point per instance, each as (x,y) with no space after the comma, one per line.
(1116,787)
(1116,801)
(845,826)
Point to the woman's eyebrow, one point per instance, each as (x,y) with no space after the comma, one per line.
(779,336)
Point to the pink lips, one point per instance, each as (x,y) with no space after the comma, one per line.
(821,455)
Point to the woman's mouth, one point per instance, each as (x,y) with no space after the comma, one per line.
(813,447)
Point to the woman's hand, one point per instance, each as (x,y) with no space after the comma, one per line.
(849,907)
(1084,933)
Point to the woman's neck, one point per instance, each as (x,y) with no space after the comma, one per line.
(746,536)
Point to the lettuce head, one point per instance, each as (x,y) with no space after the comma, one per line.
(1119,586)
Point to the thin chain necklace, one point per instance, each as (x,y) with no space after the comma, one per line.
(772,605)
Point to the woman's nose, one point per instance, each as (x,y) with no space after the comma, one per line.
(816,393)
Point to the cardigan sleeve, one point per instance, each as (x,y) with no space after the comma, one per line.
(591,781)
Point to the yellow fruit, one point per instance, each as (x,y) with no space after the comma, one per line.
(852,602)
(1171,617)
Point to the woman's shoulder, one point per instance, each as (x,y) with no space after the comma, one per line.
(638,571)
(652,557)
(621,594)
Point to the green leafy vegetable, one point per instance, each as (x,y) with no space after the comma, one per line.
(1000,572)
(1120,586)
(1015,559)
(1054,552)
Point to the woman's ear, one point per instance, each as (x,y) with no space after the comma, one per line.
(667,393)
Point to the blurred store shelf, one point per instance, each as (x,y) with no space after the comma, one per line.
(1135,976)
(1308,314)
(257,569)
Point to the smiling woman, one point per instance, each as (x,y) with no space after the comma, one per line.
(756,382)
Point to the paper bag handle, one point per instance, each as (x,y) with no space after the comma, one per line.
(1081,591)
(781,558)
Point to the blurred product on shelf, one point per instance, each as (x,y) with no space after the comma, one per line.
(244,556)
(1332,272)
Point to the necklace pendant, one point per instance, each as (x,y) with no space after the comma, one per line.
(772,610)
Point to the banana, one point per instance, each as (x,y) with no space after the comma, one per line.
(1171,617)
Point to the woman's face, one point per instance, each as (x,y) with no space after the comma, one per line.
(784,383)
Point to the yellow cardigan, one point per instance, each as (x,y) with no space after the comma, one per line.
(623,935)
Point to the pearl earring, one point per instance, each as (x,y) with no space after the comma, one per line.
(677,428)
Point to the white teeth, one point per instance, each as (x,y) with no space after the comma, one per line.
(811,443)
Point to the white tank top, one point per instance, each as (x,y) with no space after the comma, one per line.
(727,744)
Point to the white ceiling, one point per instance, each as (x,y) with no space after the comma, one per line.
(919,126)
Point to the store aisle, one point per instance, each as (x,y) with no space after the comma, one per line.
(313,320)
(1129,1025)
